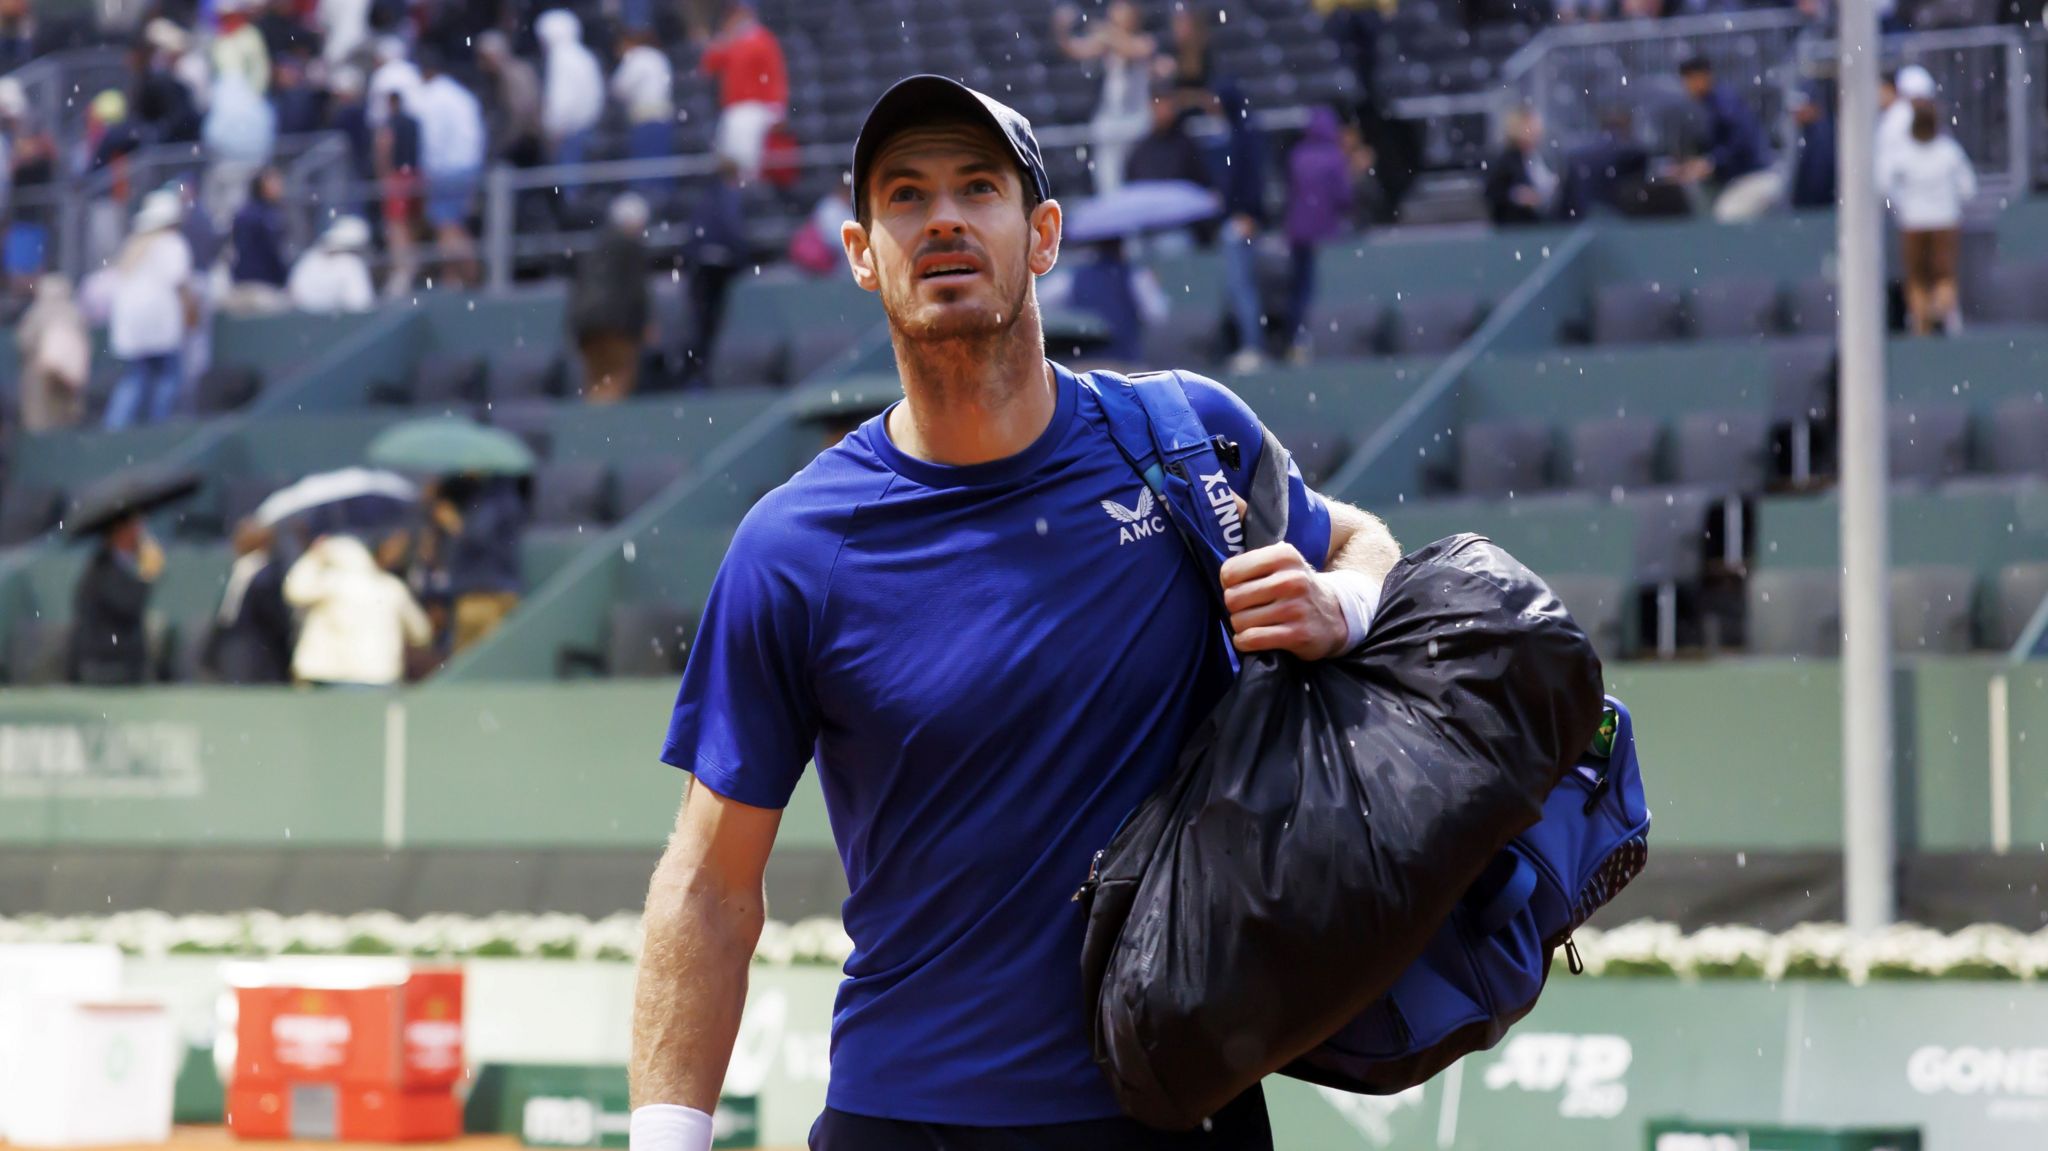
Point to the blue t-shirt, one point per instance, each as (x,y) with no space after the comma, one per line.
(991,666)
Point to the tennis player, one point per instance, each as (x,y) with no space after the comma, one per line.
(976,620)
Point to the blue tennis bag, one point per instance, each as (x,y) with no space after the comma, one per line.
(1363,866)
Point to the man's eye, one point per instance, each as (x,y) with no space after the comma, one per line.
(982,187)
(903,194)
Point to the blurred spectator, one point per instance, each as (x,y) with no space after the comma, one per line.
(151,309)
(108,133)
(110,607)
(714,248)
(1897,97)
(348,115)
(251,640)
(1122,113)
(398,160)
(1601,172)
(344,27)
(1319,197)
(1519,185)
(644,86)
(356,619)
(1126,297)
(1929,181)
(452,161)
(394,75)
(816,247)
(1355,27)
(240,135)
(301,105)
(164,103)
(56,357)
(514,129)
(259,266)
(483,518)
(572,87)
(208,244)
(13,121)
(238,47)
(1244,210)
(1813,172)
(332,277)
(1735,157)
(22,37)
(1168,152)
(1190,67)
(753,87)
(608,304)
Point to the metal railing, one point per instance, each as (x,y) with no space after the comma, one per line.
(60,85)
(1573,76)
(1981,81)
(505,244)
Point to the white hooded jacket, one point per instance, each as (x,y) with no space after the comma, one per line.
(357,618)
(572,89)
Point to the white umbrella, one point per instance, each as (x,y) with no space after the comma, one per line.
(364,490)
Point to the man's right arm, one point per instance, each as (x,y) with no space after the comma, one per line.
(705,908)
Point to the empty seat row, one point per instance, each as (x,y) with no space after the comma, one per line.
(1934,609)
(1733,450)
(642,640)
(1735,308)
(1340,329)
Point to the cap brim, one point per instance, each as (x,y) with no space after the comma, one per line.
(925,99)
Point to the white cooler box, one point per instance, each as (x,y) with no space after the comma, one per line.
(95,1073)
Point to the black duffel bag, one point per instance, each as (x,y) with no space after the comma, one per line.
(1323,822)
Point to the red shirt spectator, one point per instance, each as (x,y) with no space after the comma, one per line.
(747,59)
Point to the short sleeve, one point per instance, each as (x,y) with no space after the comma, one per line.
(745,720)
(1224,413)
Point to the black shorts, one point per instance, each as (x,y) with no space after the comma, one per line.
(1241,1126)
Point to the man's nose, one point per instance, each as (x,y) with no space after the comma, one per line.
(946,218)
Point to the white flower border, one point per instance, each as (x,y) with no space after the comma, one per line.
(1646,948)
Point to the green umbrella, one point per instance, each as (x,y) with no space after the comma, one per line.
(447,445)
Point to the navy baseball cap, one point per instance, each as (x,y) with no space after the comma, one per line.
(916,100)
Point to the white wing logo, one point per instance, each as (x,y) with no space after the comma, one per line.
(1124,515)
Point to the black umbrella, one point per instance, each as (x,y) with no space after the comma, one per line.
(132,492)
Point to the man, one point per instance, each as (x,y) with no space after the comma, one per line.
(1813,174)
(252,629)
(715,249)
(1519,185)
(1735,157)
(989,670)
(331,276)
(753,86)
(109,608)
(608,304)
(515,126)
(259,266)
(572,86)
(452,160)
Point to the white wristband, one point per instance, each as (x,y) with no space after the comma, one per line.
(669,1127)
(1359,594)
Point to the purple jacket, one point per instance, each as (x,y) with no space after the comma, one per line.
(1318,182)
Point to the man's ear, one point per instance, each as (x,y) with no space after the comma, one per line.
(859,256)
(1045,237)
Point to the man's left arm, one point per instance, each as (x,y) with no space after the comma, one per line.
(1278,601)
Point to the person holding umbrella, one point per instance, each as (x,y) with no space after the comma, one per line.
(252,634)
(356,619)
(476,511)
(110,604)
(109,607)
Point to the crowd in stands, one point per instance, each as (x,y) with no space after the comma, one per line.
(364,606)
